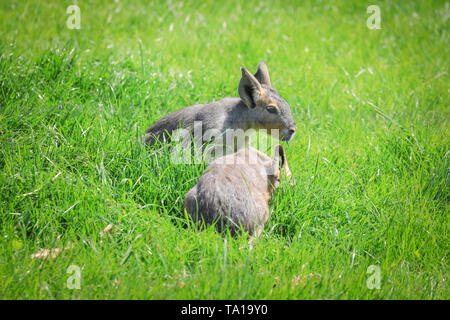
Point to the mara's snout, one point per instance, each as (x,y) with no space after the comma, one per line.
(288,134)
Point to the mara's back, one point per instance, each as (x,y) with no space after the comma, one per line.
(215,115)
(233,191)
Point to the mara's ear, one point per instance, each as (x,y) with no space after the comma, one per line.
(250,89)
(281,159)
(262,74)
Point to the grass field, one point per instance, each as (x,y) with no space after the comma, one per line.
(370,158)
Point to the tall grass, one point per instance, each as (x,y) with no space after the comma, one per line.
(370,158)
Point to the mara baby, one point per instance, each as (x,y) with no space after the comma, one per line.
(259,106)
(235,190)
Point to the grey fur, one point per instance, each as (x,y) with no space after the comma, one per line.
(247,112)
(235,190)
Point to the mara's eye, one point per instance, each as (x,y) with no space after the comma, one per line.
(272,109)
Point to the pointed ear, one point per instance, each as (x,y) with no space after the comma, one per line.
(250,89)
(280,158)
(262,74)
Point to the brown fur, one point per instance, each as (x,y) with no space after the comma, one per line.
(235,190)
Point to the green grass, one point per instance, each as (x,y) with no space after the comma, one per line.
(370,157)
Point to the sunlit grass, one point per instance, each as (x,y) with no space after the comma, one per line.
(370,158)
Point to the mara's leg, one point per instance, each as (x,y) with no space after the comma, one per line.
(256,235)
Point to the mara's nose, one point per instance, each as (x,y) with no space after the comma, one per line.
(292,130)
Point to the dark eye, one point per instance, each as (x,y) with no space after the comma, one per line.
(272,109)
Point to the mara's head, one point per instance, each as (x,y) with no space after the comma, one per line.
(271,110)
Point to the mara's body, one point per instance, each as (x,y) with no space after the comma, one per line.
(235,190)
(228,113)
(258,107)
